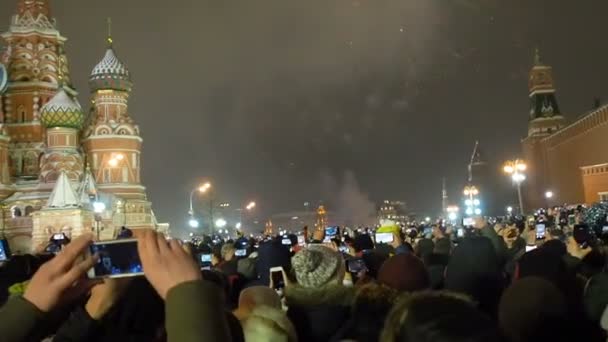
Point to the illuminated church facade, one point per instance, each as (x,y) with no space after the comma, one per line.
(58,161)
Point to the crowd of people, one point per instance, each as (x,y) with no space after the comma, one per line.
(490,281)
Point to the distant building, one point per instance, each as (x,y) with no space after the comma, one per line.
(393,210)
(569,160)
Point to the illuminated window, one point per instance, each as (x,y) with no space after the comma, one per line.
(106,176)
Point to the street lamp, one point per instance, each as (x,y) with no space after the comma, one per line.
(193,222)
(98,209)
(201,189)
(452,213)
(220,223)
(472,202)
(510,210)
(238,225)
(515,169)
(549,194)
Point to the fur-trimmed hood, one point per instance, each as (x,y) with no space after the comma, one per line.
(331,295)
(266,323)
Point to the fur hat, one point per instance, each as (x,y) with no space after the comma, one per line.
(268,324)
(316,266)
(404,272)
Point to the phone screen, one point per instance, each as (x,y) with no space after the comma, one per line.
(331,231)
(460,233)
(571,220)
(540,231)
(530,248)
(384,237)
(207,257)
(301,240)
(343,249)
(239,253)
(356,265)
(286,241)
(58,237)
(3,250)
(277,279)
(468,221)
(605,229)
(427,231)
(116,259)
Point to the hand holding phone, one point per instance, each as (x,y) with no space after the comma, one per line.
(278,279)
(165,264)
(384,238)
(116,259)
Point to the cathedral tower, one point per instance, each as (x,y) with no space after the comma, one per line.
(35,59)
(111,140)
(545,119)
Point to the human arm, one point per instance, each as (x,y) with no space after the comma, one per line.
(55,283)
(194,307)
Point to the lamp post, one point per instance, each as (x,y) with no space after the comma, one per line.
(452,213)
(193,222)
(515,169)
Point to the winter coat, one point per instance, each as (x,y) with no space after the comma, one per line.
(318,313)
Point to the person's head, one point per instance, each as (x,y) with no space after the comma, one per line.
(424,248)
(370,307)
(255,296)
(404,273)
(533,309)
(438,316)
(474,269)
(271,254)
(228,251)
(363,242)
(443,246)
(317,266)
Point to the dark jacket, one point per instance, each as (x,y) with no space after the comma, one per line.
(191,309)
(270,254)
(318,313)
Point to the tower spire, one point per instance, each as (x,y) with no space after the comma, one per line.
(444,197)
(34,7)
(109,38)
(537,60)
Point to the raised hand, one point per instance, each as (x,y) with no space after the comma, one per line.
(165,263)
(104,296)
(63,277)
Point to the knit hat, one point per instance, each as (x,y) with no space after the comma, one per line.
(404,272)
(316,266)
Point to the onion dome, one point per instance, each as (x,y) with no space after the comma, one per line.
(62,111)
(110,73)
(3,78)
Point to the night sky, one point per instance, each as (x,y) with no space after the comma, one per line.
(285,101)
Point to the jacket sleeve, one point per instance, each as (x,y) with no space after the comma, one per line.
(498,243)
(195,312)
(78,327)
(18,319)
(402,250)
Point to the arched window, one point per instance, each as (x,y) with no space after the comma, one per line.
(29,210)
(21,114)
(15,211)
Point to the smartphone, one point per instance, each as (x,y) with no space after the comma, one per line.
(427,231)
(301,240)
(58,237)
(540,231)
(384,237)
(355,265)
(205,258)
(460,233)
(117,259)
(605,230)
(330,233)
(530,248)
(240,253)
(343,249)
(277,274)
(4,250)
(286,241)
(468,221)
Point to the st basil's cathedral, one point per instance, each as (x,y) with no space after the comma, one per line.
(63,170)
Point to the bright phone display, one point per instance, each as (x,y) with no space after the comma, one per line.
(117,259)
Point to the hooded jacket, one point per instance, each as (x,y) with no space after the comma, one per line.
(266,323)
(318,313)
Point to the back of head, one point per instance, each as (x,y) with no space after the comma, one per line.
(438,317)
(227,251)
(363,242)
(255,296)
(474,270)
(268,324)
(317,266)
(371,305)
(271,254)
(424,248)
(443,246)
(526,308)
(404,272)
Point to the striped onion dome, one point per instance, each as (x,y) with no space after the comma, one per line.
(62,111)
(110,73)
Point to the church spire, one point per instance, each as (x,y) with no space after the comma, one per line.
(34,7)
(537,60)
(109,40)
